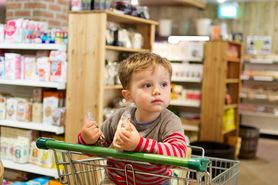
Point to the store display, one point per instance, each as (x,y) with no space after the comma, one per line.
(220,91)
(259,94)
(29,31)
(181,51)
(49,68)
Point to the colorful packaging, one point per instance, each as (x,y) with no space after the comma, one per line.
(12,66)
(49,105)
(46,158)
(11,108)
(21,150)
(13,31)
(2,32)
(30,68)
(37,112)
(43,70)
(2,107)
(2,67)
(58,117)
(58,69)
(24,110)
(34,154)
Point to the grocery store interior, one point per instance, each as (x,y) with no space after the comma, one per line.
(59,61)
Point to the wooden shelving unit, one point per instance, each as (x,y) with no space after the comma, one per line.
(221,75)
(194,3)
(86,90)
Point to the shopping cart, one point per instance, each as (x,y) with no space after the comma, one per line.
(75,167)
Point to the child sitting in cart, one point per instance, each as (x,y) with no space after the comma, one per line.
(148,126)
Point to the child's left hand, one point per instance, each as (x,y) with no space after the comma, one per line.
(127,140)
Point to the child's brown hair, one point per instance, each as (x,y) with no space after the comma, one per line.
(139,62)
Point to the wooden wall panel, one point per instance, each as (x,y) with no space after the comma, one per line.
(85,79)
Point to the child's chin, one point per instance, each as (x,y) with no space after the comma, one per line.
(157,109)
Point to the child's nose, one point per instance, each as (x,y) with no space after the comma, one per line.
(156,91)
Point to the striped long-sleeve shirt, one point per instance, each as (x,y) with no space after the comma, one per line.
(164,136)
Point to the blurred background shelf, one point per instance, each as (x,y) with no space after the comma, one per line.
(30,168)
(32,126)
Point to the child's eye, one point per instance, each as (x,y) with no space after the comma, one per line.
(164,84)
(147,85)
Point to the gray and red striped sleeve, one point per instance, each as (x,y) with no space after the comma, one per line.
(173,145)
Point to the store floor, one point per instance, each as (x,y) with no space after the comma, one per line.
(263,169)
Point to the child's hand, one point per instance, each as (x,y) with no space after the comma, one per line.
(127,140)
(90,132)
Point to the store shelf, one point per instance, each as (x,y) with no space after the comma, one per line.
(30,168)
(228,131)
(195,3)
(258,78)
(117,17)
(269,131)
(258,97)
(32,126)
(31,46)
(196,80)
(261,61)
(193,59)
(123,49)
(258,114)
(230,106)
(190,127)
(56,85)
(233,59)
(232,81)
(185,103)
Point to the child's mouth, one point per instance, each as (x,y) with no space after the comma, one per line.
(157,101)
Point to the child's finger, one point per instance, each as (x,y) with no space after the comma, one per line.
(118,139)
(124,136)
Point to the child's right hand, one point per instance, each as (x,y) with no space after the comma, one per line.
(90,132)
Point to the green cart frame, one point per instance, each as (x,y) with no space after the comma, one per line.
(75,167)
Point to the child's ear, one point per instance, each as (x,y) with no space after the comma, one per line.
(126,94)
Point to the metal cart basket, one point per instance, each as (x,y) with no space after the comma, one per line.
(76,168)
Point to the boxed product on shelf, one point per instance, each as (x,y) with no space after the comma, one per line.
(13,66)
(30,68)
(183,71)
(28,31)
(43,68)
(2,67)
(23,110)
(111,73)
(49,105)
(53,111)
(11,108)
(15,143)
(228,120)
(37,95)
(21,150)
(2,32)
(58,71)
(58,66)
(178,92)
(2,107)
(13,31)
(37,112)
(58,116)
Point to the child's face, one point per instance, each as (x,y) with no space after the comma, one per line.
(150,90)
